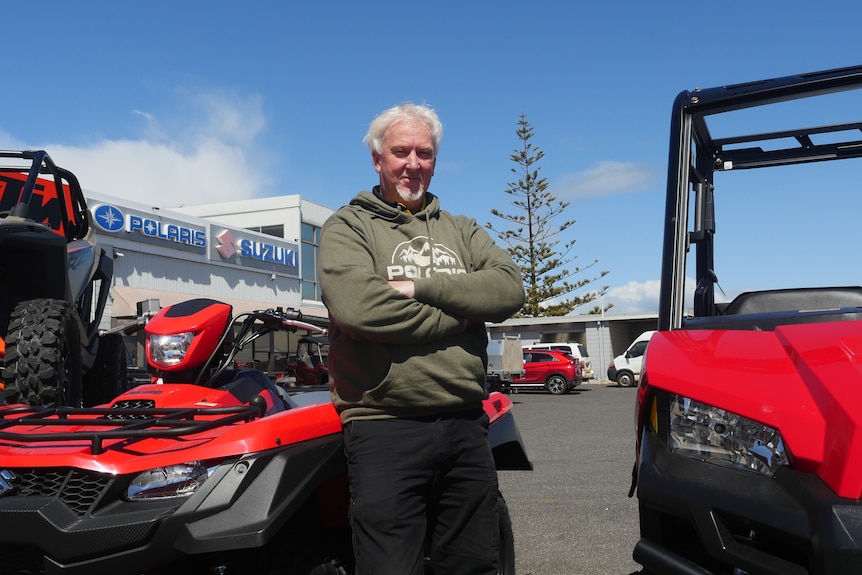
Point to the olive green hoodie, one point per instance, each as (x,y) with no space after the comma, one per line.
(395,356)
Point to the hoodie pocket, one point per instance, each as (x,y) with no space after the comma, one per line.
(377,395)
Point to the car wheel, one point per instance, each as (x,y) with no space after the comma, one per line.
(625,379)
(557,385)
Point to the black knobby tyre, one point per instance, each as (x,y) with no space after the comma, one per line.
(42,365)
(108,377)
(328,567)
(299,554)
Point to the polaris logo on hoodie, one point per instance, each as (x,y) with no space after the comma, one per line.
(420,258)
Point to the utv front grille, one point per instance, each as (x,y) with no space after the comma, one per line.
(79,490)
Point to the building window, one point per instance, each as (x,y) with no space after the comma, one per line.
(276,230)
(310,251)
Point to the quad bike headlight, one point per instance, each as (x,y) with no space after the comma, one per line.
(705,432)
(171,349)
(170,481)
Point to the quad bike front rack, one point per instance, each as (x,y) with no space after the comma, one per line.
(134,423)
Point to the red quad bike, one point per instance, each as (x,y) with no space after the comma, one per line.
(213,470)
(749,406)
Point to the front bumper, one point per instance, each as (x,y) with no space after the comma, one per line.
(698,517)
(69,521)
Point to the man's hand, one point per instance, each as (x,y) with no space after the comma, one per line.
(404,287)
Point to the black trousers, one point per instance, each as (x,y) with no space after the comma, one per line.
(422,480)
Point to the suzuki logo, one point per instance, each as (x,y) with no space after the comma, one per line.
(226,242)
(6,479)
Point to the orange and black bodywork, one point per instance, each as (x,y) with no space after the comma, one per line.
(45,231)
(42,211)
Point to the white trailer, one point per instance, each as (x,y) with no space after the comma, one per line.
(505,360)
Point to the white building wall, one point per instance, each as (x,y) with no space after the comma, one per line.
(156,272)
(147,265)
(314,214)
(290,211)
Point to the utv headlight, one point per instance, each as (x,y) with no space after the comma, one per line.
(170,481)
(171,349)
(701,431)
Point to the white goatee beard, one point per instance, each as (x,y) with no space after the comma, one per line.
(408,196)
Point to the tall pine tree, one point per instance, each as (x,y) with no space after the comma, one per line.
(533,241)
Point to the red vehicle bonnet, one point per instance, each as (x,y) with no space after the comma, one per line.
(808,376)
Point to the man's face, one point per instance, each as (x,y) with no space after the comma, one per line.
(406,162)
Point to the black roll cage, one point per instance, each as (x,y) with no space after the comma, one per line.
(694,156)
(72,206)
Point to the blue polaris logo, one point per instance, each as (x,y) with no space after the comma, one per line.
(109,218)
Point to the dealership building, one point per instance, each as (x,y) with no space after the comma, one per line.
(249,254)
(262,253)
(253,254)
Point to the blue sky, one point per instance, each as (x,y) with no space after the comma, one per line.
(192,102)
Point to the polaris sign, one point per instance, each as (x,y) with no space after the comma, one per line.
(112,219)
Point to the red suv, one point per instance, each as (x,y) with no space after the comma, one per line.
(552,370)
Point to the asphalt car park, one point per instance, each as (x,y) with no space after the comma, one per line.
(571,514)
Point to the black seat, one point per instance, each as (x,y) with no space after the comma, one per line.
(245,383)
(796,299)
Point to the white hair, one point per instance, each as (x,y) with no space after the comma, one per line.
(407,111)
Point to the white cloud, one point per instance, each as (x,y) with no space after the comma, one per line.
(9,142)
(207,156)
(233,119)
(162,174)
(634,297)
(605,179)
(643,297)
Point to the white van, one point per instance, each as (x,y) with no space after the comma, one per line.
(576,350)
(626,367)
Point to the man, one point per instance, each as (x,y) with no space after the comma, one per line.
(408,288)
